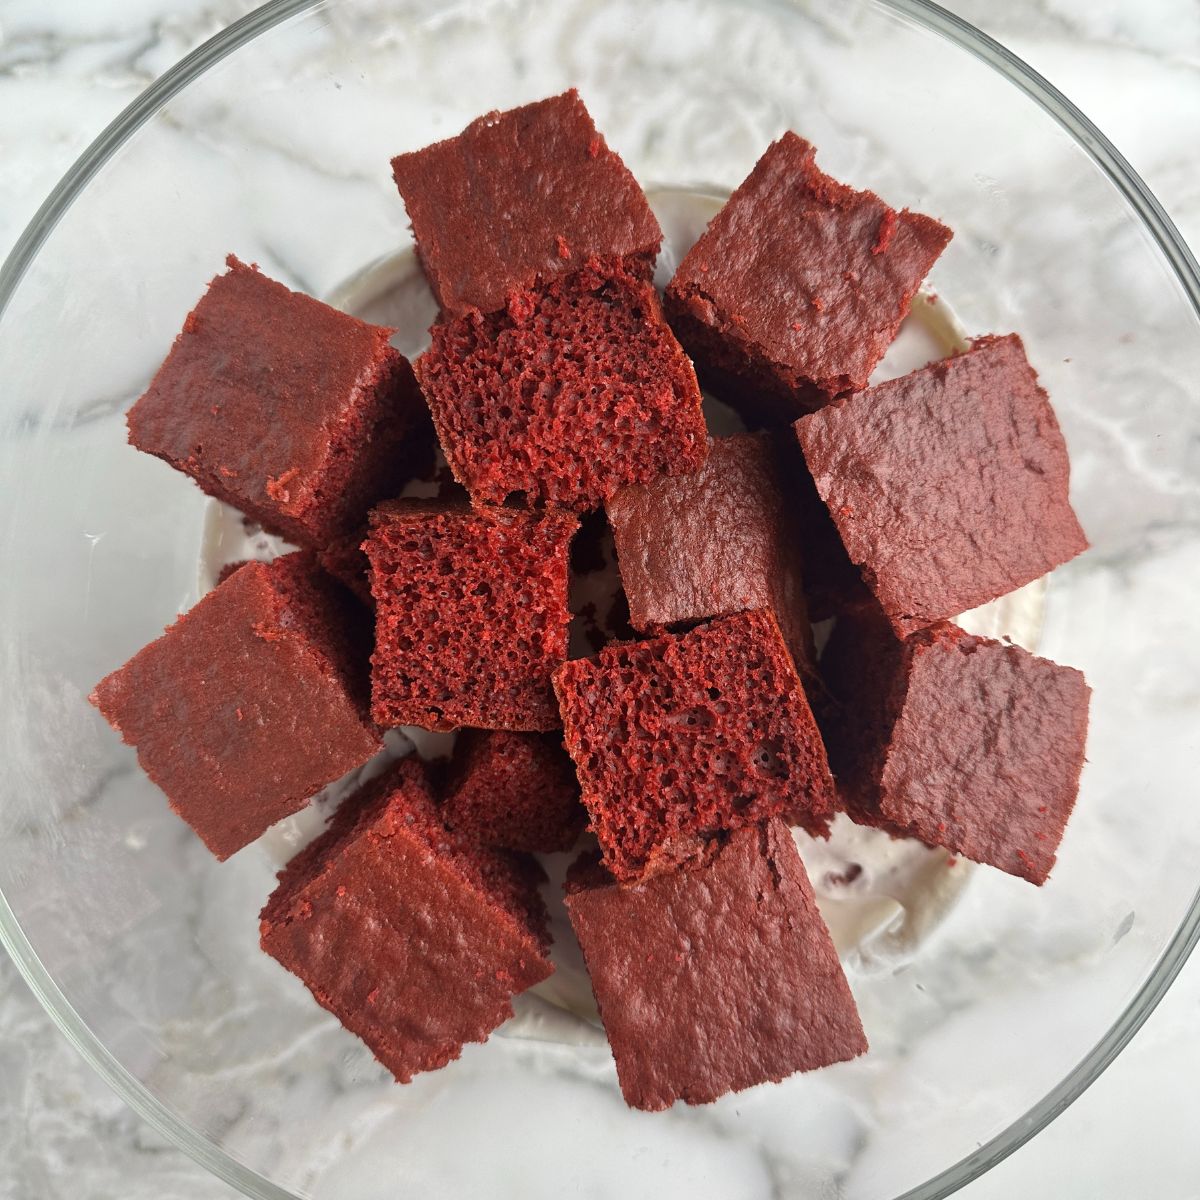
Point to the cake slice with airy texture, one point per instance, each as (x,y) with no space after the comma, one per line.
(715,977)
(415,939)
(470,614)
(516,790)
(959,741)
(572,390)
(518,199)
(948,486)
(718,541)
(299,415)
(680,738)
(251,702)
(798,286)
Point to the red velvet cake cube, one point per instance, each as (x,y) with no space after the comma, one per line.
(718,541)
(573,390)
(678,739)
(516,790)
(798,286)
(416,940)
(519,198)
(714,978)
(949,486)
(470,614)
(300,416)
(251,702)
(959,741)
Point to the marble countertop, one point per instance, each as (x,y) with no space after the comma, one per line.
(67,67)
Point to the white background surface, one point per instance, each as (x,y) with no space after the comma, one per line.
(68,66)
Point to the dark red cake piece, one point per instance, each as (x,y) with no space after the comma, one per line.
(573,390)
(832,583)
(300,416)
(347,562)
(714,978)
(470,614)
(229,568)
(798,286)
(519,198)
(251,702)
(516,790)
(719,541)
(959,741)
(949,486)
(415,939)
(680,738)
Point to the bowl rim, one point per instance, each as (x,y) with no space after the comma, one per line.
(923,13)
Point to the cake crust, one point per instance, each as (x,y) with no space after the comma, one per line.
(251,702)
(414,940)
(298,415)
(715,978)
(798,286)
(959,741)
(948,486)
(717,541)
(519,198)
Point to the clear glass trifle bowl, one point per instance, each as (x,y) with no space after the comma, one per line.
(989,1004)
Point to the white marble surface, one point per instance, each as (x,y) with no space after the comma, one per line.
(66,67)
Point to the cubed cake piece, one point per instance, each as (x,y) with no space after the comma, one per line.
(948,486)
(516,790)
(573,390)
(299,415)
(680,738)
(798,286)
(470,614)
(251,702)
(416,940)
(714,978)
(959,741)
(718,541)
(521,197)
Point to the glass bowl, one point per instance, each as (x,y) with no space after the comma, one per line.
(273,141)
